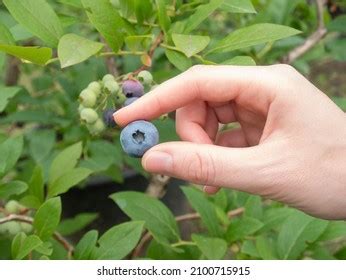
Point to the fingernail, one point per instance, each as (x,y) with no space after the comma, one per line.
(157,161)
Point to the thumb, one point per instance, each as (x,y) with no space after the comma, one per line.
(239,168)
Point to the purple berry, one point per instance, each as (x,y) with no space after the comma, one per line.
(130,101)
(132,88)
(108,118)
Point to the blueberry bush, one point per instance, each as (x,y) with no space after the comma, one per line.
(68,65)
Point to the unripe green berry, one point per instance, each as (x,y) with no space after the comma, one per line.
(13,207)
(80,108)
(13,228)
(112,86)
(145,77)
(27,228)
(95,87)
(120,99)
(97,127)
(89,115)
(87,98)
(107,78)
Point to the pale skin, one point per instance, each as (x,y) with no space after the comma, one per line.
(290,147)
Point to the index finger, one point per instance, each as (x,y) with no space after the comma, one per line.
(207,83)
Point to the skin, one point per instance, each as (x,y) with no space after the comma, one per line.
(290,147)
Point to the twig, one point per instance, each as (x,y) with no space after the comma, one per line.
(57,236)
(110,60)
(156,187)
(187,217)
(313,39)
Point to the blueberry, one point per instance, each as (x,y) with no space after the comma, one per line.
(108,77)
(145,77)
(95,87)
(89,115)
(130,101)
(87,98)
(96,128)
(112,86)
(133,88)
(138,137)
(108,118)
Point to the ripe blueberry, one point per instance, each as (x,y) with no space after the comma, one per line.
(133,88)
(108,118)
(130,101)
(87,98)
(138,137)
(145,77)
(89,115)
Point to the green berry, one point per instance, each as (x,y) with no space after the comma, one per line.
(107,78)
(13,228)
(97,127)
(87,98)
(27,228)
(145,77)
(89,115)
(95,87)
(13,207)
(120,99)
(112,86)
(80,108)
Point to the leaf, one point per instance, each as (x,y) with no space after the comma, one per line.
(10,151)
(275,217)
(77,223)
(253,207)
(238,6)
(297,230)
(73,49)
(250,249)
(106,19)
(341,102)
(205,208)
(68,180)
(178,60)
(265,248)
(45,248)
(253,35)
(47,218)
(119,241)
(65,161)
(22,245)
(202,13)
(143,10)
(164,20)
(240,60)
(212,248)
(190,44)
(38,17)
(337,24)
(86,245)
(158,218)
(73,3)
(138,42)
(12,188)
(6,37)
(41,143)
(334,230)
(36,55)
(240,228)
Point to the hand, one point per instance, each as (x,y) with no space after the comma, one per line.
(290,147)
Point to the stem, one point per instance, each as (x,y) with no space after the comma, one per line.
(183,243)
(121,53)
(57,236)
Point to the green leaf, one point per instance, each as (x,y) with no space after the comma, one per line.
(118,241)
(86,245)
(178,60)
(138,42)
(212,248)
(158,218)
(12,188)
(10,151)
(205,208)
(77,223)
(265,248)
(240,228)
(164,20)
(45,248)
(238,6)
(190,44)
(47,218)
(297,230)
(36,55)
(202,13)
(334,230)
(38,17)
(22,245)
(41,143)
(253,35)
(65,161)
(253,207)
(6,37)
(337,24)
(240,60)
(72,3)
(250,249)
(73,49)
(68,180)
(341,102)
(143,10)
(275,217)
(106,19)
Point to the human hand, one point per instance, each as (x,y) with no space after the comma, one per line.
(290,147)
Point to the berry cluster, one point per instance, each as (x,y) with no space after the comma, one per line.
(104,97)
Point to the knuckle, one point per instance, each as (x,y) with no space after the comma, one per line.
(196,68)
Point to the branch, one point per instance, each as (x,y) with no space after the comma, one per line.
(187,217)
(157,184)
(110,60)
(57,236)
(313,39)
